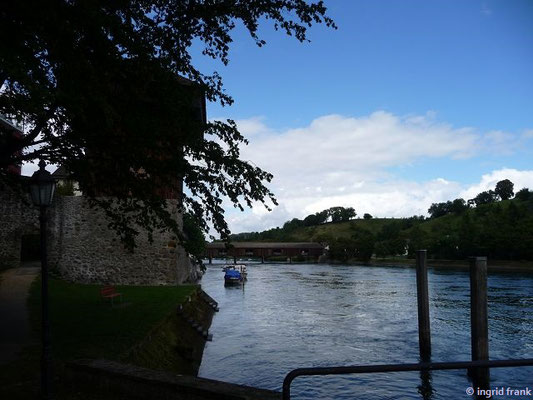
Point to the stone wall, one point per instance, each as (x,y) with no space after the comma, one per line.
(120,381)
(17,218)
(85,250)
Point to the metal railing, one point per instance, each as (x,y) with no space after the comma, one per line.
(424,366)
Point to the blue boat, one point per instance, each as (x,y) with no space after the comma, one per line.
(235,274)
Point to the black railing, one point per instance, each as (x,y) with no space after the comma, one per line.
(424,366)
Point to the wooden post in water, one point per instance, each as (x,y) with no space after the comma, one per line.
(479,318)
(424,331)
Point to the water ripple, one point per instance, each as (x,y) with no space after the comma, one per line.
(291,316)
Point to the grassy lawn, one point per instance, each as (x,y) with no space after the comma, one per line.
(83,326)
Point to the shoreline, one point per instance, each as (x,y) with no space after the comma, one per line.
(492,265)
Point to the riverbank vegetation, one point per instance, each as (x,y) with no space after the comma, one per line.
(496,223)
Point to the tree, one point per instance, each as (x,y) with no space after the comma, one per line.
(458,206)
(99,87)
(195,239)
(348,213)
(438,209)
(523,194)
(340,214)
(504,189)
(364,243)
(342,249)
(367,216)
(486,197)
(293,224)
(316,218)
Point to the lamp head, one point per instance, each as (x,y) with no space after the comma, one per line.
(42,186)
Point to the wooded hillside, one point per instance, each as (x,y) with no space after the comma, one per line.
(485,226)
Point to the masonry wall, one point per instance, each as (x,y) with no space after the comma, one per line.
(85,250)
(17,218)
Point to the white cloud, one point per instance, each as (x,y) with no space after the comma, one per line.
(253,127)
(521,179)
(502,143)
(527,134)
(335,150)
(338,160)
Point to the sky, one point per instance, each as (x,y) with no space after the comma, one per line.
(407,103)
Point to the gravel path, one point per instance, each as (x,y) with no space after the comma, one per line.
(15,327)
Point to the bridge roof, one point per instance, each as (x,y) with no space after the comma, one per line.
(266,245)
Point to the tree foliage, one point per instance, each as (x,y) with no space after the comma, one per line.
(359,246)
(65,189)
(194,237)
(486,197)
(316,218)
(504,189)
(340,214)
(524,194)
(456,206)
(98,87)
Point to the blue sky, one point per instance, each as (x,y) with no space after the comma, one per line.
(470,61)
(407,103)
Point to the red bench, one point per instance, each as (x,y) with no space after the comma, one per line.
(109,293)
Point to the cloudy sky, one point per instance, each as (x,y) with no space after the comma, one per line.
(408,103)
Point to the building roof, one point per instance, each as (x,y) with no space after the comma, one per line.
(61,173)
(266,245)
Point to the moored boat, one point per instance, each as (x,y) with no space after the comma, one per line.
(235,274)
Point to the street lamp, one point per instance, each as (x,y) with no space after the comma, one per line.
(42,187)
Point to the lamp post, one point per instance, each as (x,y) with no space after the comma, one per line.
(42,187)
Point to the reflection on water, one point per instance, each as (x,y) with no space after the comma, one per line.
(291,316)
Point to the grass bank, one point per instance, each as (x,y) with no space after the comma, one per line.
(83,326)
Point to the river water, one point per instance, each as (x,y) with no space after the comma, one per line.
(311,315)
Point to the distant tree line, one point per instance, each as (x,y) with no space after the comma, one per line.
(492,224)
(504,190)
(496,223)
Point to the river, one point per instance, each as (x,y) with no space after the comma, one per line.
(289,316)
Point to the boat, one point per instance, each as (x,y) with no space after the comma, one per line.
(235,274)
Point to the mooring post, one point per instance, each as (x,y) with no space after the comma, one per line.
(424,331)
(479,318)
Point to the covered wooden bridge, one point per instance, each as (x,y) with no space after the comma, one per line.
(264,250)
